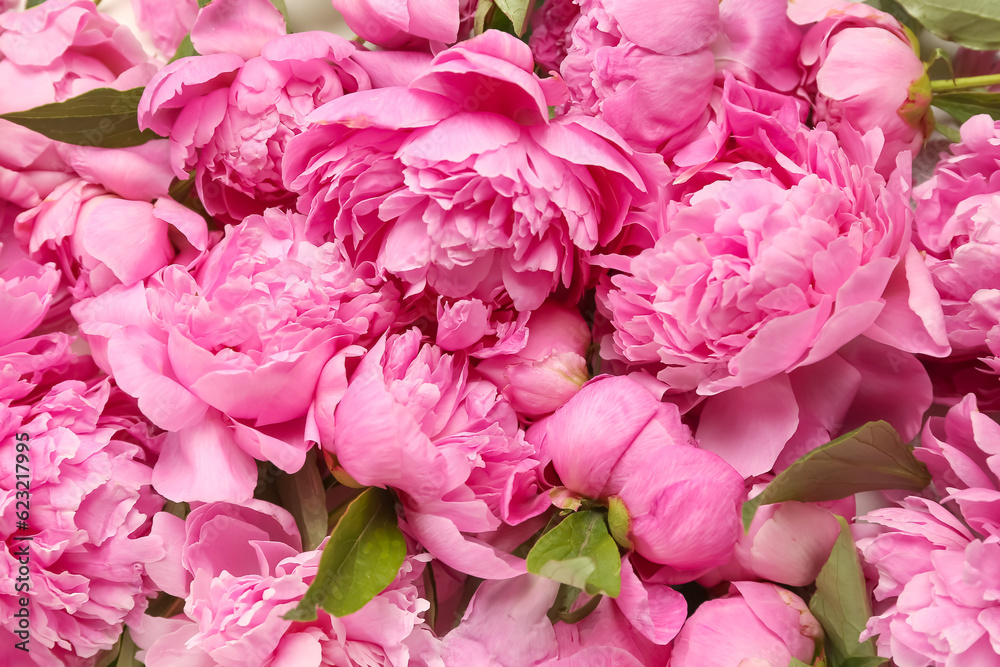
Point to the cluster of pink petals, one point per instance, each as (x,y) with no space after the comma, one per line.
(421,422)
(403,24)
(649,68)
(227,357)
(230,112)
(90,503)
(460,183)
(239,569)
(937,587)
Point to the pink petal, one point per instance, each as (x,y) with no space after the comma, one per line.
(241,27)
(127,238)
(655,610)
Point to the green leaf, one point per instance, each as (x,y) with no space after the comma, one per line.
(972,23)
(797,663)
(303,495)
(580,552)
(619,521)
(869,458)
(892,8)
(963,106)
(841,602)
(33,3)
(862,661)
(104,117)
(518,11)
(362,558)
(185,49)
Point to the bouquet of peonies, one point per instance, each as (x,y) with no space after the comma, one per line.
(516,333)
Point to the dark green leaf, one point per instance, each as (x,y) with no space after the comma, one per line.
(963,106)
(892,8)
(841,602)
(104,117)
(579,552)
(518,11)
(869,458)
(362,558)
(185,49)
(950,133)
(972,23)
(125,654)
(862,661)
(33,3)
(303,495)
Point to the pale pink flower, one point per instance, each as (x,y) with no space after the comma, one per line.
(166,22)
(843,42)
(756,624)
(83,570)
(460,183)
(230,111)
(228,357)
(418,420)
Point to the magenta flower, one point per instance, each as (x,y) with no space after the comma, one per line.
(229,358)
(756,624)
(230,112)
(417,420)
(842,42)
(473,191)
(90,504)
(614,441)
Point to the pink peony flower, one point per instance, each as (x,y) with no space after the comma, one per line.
(80,564)
(473,191)
(230,112)
(63,48)
(649,68)
(614,441)
(26,292)
(938,589)
(417,420)
(550,368)
(100,240)
(398,24)
(228,358)
(756,624)
(842,42)
(769,271)
(956,221)
(239,569)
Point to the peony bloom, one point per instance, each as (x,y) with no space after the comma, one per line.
(772,270)
(230,112)
(473,191)
(937,587)
(756,624)
(228,357)
(614,442)
(958,210)
(550,368)
(648,68)
(60,49)
(399,24)
(938,592)
(81,561)
(239,570)
(417,420)
(843,41)
(100,240)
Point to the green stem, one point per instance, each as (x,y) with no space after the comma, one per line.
(942,85)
